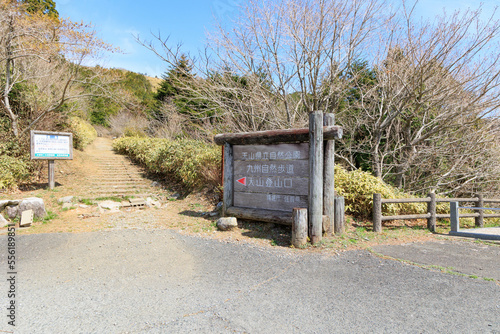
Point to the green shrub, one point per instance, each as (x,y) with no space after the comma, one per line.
(13,170)
(358,188)
(133,132)
(194,163)
(83,132)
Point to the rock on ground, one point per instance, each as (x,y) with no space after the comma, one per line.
(33,203)
(12,211)
(3,221)
(227,223)
(66,199)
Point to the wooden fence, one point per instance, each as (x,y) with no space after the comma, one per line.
(431,214)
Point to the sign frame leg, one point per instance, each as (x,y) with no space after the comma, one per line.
(52,168)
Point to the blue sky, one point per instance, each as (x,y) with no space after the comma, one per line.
(184,21)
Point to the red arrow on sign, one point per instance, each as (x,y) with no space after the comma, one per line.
(243,181)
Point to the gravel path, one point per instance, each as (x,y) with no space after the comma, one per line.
(157,281)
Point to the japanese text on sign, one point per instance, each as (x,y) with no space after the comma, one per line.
(271,176)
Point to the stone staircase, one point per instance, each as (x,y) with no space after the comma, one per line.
(117,176)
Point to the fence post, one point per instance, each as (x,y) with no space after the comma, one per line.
(480,204)
(431,209)
(315,211)
(339,215)
(377,213)
(329,176)
(454,217)
(299,227)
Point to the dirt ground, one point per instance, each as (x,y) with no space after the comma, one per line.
(193,213)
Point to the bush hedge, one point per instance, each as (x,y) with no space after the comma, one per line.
(194,163)
(83,132)
(13,171)
(15,163)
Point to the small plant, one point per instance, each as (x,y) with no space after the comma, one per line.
(273,242)
(48,217)
(86,201)
(114,198)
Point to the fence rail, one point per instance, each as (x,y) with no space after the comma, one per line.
(431,214)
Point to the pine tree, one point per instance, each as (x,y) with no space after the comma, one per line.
(47,7)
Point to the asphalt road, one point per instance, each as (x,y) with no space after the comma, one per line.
(140,281)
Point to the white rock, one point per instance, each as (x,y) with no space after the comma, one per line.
(227,223)
(33,203)
(8,202)
(3,221)
(66,199)
(67,206)
(110,205)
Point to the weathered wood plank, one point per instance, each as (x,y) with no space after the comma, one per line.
(406,200)
(228,178)
(377,213)
(329,177)
(269,216)
(316,176)
(275,136)
(269,201)
(299,227)
(479,221)
(339,215)
(405,217)
(280,152)
(272,184)
(295,168)
(431,210)
(444,200)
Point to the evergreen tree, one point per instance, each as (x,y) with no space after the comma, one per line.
(47,7)
(172,88)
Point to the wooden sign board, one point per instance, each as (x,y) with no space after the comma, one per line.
(267,174)
(273,177)
(51,145)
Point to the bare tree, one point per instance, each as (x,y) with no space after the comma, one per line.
(270,68)
(40,58)
(434,81)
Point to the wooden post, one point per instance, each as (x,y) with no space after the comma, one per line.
(299,227)
(339,215)
(52,182)
(454,217)
(228,178)
(329,177)
(377,213)
(431,209)
(316,176)
(480,204)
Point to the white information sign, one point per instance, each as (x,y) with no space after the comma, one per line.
(51,145)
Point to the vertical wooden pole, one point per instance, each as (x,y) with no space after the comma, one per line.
(377,213)
(454,217)
(52,182)
(339,212)
(329,177)
(299,227)
(315,176)
(228,178)
(431,209)
(480,204)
